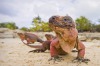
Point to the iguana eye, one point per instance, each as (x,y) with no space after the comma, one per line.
(67,20)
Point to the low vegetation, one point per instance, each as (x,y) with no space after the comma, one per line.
(83,25)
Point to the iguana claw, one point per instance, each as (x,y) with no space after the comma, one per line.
(56,58)
(37,51)
(80,60)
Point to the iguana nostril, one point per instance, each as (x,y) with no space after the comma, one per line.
(53,18)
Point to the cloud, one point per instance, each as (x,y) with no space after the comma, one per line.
(23,11)
(7,9)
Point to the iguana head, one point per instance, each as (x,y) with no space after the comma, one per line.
(21,35)
(61,21)
(49,36)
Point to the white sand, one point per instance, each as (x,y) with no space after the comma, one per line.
(14,53)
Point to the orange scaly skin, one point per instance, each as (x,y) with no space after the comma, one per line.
(67,37)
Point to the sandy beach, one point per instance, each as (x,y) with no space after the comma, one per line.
(14,53)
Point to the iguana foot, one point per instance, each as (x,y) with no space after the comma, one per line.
(56,58)
(80,60)
(37,51)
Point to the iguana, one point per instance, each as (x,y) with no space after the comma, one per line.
(67,38)
(28,38)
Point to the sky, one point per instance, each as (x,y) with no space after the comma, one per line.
(23,11)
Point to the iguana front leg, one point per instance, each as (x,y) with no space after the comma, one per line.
(81,53)
(53,51)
